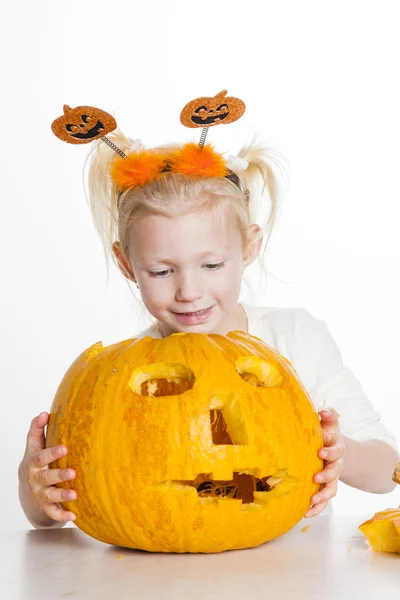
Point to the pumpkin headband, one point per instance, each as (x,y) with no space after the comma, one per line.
(85,124)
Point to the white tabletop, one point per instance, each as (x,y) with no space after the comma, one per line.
(330,561)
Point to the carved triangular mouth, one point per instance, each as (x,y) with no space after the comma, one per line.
(242,486)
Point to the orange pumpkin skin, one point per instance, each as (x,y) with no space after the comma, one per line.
(139,458)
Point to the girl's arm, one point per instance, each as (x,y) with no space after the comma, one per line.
(369,465)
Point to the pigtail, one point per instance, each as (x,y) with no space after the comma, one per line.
(101,191)
(267,173)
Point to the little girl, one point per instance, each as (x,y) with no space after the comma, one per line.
(185,241)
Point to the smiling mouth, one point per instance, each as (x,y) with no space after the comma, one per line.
(242,486)
(90,132)
(197,312)
(208,120)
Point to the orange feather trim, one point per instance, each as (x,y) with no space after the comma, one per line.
(137,169)
(191,159)
(141,167)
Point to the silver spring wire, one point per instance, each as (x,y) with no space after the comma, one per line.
(113,147)
(203,136)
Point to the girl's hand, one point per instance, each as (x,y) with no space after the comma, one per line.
(38,481)
(333,455)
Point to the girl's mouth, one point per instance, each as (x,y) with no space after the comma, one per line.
(193,318)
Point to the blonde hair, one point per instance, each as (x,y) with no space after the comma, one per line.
(175,194)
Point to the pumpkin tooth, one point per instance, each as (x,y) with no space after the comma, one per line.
(279,484)
(273,481)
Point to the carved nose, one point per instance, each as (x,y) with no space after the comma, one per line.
(226,419)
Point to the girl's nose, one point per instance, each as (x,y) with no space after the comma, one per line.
(188,288)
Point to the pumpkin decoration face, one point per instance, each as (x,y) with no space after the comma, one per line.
(83,124)
(192,443)
(207,112)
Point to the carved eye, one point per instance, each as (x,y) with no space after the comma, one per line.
(200,109)
(86,118)
(161,379)
(221,106)
(258,372)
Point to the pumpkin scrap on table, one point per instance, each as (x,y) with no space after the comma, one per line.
(383,529)
(192,443)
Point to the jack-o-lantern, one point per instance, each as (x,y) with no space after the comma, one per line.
(83,124)
(192,443)
(207,112)
(383,529)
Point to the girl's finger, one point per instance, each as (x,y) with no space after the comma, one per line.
(331,453)
(35,439)
(326,493)
(330,426)
(47,477)
(316,509)
(51,494)
(47,456)
(331,436)
(57,513)
(331,471)
(329,415)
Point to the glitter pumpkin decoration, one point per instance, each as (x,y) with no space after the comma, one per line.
(192,443)
(83,124)
(208,112)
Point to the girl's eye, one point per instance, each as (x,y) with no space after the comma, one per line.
(159,273)
(165,272)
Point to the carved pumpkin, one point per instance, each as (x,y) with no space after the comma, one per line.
(207,112)
(383,529)
(83,124)
(192,443)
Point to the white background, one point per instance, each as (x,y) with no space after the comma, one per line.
(320,80)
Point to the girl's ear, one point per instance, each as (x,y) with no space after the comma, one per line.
(254,242)
(122,262)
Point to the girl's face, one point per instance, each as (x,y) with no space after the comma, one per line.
(188,270)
